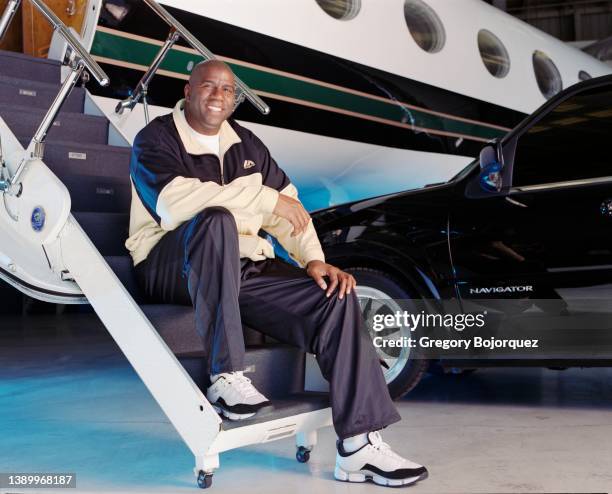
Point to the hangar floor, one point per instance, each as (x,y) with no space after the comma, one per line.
(69,402)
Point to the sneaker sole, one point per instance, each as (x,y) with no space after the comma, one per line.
(230,415)
(364,475)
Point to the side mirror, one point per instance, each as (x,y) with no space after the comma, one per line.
(491,167)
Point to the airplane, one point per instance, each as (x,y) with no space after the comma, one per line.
(367,97)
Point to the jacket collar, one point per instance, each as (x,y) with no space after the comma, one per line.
(227,135)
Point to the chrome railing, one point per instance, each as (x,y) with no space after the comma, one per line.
(76,46)
(7,16)
(79,60)
(177,30)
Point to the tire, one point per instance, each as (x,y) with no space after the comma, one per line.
(402,373)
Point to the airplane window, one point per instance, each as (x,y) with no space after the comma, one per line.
(343,10)
(547,75)
(584,76)
(493,53)
(424,25)
(570,143)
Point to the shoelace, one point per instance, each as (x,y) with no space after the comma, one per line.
(241,383)
(378,444)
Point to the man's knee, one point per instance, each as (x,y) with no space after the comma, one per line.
(343,315)
(348,303)
(215,224)
(215,217)
(216,214)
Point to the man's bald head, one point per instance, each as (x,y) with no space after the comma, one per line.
(210,96)
(201,69)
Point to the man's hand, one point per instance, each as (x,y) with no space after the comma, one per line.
(293,211)
(318,269)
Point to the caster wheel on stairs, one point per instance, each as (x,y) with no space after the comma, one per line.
(302,454)
(204,479)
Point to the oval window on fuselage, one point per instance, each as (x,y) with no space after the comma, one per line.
(424,25)
(493,53)
(547,74)
(343,10)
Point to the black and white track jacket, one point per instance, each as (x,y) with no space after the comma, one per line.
(174,177)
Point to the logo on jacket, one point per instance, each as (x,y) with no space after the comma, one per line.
(248,164)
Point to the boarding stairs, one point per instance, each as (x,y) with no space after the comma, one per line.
(84,152)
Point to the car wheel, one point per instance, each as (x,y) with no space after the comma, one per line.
(380,294)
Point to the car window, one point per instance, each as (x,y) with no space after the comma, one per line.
(572,142)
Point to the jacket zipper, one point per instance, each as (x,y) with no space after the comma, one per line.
(221,166)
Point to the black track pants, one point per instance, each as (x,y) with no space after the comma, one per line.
(199,264)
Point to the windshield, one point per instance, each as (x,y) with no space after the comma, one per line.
(465,172)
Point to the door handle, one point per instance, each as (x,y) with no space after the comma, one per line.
(606,208)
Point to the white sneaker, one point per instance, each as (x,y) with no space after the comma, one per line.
(376,461)
(233,395)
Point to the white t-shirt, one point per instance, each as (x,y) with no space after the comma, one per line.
(211,142)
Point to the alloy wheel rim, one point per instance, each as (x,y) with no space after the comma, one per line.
(373,301)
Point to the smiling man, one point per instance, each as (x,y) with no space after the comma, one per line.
(204,187)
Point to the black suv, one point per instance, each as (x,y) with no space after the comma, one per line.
(529,222)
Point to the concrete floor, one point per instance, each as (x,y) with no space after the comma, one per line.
(69,402)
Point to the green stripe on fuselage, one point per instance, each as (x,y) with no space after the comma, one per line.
(142,53)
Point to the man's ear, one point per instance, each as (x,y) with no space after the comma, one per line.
(187,91)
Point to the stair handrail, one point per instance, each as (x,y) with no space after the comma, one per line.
(79,59)
(7,16)
(177,30)
(60,27)
(91,65)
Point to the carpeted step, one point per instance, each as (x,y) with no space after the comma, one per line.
(34,94)
(24,120)
(108,231)
(97,176)
(28,67)
(276,370)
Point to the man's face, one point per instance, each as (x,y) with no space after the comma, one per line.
(209,98)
